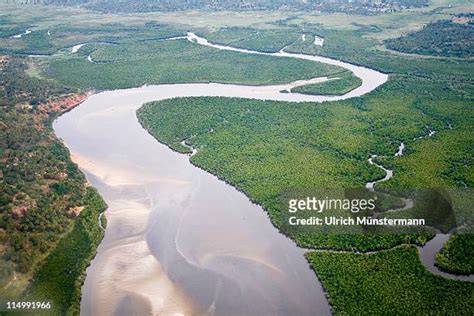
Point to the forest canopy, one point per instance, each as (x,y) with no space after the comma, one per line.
(441,38)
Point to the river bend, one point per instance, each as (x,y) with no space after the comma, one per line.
(178,240)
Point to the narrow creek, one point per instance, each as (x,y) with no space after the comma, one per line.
(428,251)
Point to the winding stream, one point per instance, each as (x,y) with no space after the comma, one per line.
(21,34)
(178,240)
(428,251)
(427,255)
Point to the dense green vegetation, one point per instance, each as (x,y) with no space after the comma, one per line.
(392,280)
(457,255)
(153,62)
(59,39)
(266,40)
(17,87)
(60,279)
(282,146)
(264,148)
(338,85)
(441,38)
(355,46)
(39,189)
(7,30)
(35,195)
(37,42)
(261,147)
(356,6)
(351,129)
(128,56)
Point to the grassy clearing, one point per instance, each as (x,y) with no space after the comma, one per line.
(49,16)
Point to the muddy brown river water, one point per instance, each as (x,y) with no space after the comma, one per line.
(178,240)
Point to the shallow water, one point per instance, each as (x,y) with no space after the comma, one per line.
(75,48)
(21,34)
(178,240)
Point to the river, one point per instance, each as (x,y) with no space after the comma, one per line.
(178,240)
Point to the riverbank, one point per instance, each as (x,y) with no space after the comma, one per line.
(236,122)
(59,279)
(47,240)
(104,181)
(166,171)
(104,111)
